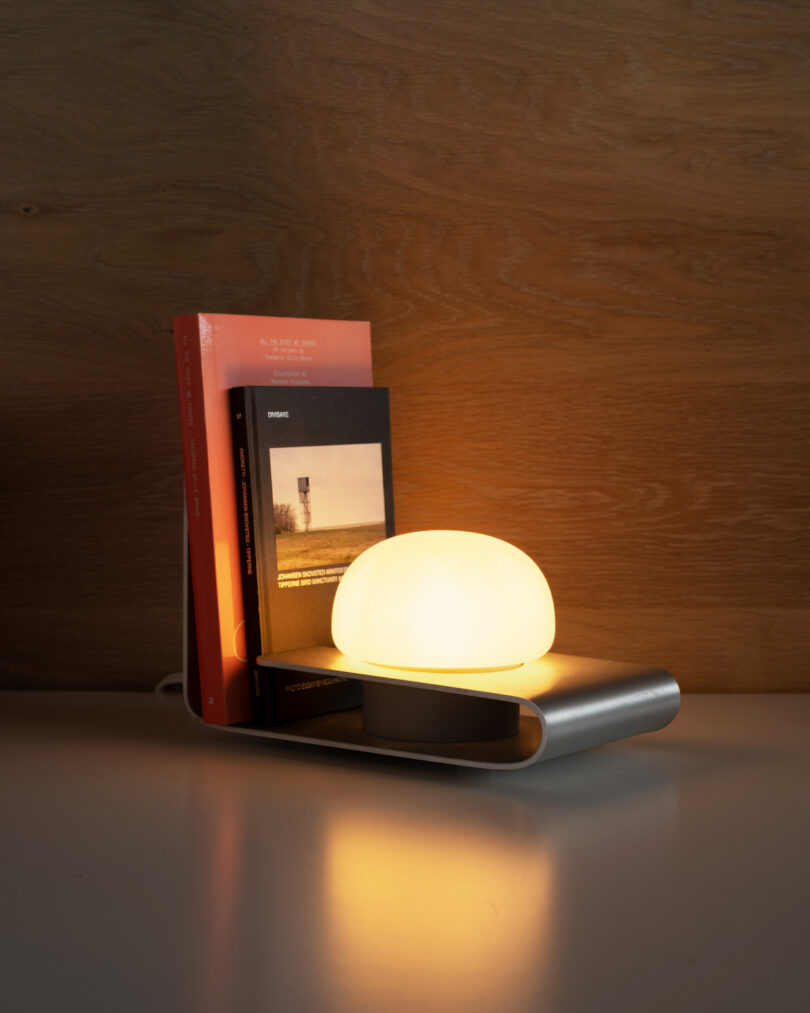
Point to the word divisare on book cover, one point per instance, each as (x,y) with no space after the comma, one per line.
(313,479)
(213,353)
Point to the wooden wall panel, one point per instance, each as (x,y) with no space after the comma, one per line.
(580,232)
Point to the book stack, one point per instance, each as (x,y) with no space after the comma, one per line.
(287,466)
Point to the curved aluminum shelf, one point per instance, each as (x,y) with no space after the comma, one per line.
(567,704)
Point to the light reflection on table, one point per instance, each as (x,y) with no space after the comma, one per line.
(152,863)
(403,889)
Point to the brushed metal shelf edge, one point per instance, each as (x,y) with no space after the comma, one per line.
(386,750)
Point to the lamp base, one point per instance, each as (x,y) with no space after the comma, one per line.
(428,715)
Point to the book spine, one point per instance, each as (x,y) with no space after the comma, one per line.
(200,520)
(243,425)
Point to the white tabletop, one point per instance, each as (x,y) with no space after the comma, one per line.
(151,863)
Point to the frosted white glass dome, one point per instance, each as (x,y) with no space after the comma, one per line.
(443,600)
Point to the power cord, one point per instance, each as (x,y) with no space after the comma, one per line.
(169,682)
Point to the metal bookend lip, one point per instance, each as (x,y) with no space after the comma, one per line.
(577,702)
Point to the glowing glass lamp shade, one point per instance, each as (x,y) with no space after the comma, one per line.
(443,600)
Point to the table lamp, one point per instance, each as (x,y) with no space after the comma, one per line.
(449,633)
(441,601)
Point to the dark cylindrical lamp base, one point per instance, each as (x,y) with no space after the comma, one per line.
(411,714)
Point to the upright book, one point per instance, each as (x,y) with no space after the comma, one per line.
(215,352)
(313,480)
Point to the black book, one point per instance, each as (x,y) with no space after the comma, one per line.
(314,489)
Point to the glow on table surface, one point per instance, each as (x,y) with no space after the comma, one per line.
(149,862)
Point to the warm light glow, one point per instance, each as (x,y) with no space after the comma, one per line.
(443,600)
(449,913)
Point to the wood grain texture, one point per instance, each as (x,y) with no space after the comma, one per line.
(580,232)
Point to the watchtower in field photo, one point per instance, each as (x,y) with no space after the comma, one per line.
(303,499)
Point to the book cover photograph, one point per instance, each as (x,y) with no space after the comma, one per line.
(328,506)
(215,352)
(313,480)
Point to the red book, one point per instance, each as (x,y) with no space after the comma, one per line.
(215,352)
